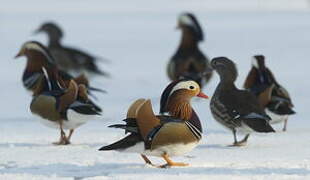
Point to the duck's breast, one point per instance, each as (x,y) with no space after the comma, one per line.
(44,106)
(75,119)
(173,139)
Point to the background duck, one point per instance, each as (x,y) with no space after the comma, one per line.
(33,77)
(189,61)
(175,133)
(237,110)
(60,105)
(273,97)
(69,59)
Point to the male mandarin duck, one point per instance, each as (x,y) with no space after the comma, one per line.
(189,61)
(37,57)
(60,105)
(273,97)
(237,110)
(174,133)
(68,59)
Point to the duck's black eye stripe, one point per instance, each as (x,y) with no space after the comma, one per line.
(191,87)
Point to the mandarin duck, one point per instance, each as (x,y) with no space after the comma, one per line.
(177,130)
(60,105)
(189,61)
(238,110)
(69,59)
(273,97)
(37,57)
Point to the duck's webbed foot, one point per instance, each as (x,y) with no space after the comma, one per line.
(243,142)
(170,163)
(63,138)
(147,160)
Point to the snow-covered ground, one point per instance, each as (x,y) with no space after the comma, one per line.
(139,37)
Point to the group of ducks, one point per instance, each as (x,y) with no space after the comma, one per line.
(57,76)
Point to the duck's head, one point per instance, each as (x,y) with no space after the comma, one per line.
(187,21)
(51,29)
(35,52)
(258,62)
(225,67)
(176,98)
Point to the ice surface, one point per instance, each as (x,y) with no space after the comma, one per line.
(139,37)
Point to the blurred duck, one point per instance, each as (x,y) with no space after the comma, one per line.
(69,59)
(273,97)
(189,61)
(60,104)
(37,57)
(175,133)
(237,110)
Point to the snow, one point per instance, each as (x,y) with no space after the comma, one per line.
(138,37)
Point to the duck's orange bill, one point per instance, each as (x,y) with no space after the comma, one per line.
(202,95)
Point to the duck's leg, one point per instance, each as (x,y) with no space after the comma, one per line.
(147,160)
(170,163)
(63,138)
(70,134)
(243,142)
(285,124)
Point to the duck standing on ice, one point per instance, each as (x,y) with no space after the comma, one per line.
(173,134)
(189,61)
(273,97)
(237,110)
(60,104)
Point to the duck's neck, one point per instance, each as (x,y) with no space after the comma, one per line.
(35,62)
(188,40)
(179,107)
(227,84)
(54,41)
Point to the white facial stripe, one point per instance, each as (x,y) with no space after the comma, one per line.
(184,19)
(254,62)
(34,46)
(185,85)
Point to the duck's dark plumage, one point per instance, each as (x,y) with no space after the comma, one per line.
(272,96)
(67,58)
(234,108)
(188,61)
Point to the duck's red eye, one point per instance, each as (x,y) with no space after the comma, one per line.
(191,87)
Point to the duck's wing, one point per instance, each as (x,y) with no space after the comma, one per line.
(131,125)
(68,98)
(84,108)
(264,97)
(146,119)
(243,106)
(282,93)
(250,79)
(85,60)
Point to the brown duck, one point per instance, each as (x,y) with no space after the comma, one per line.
(60,105)
(273,97)
(189,61)
(37,57)
(175,132)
